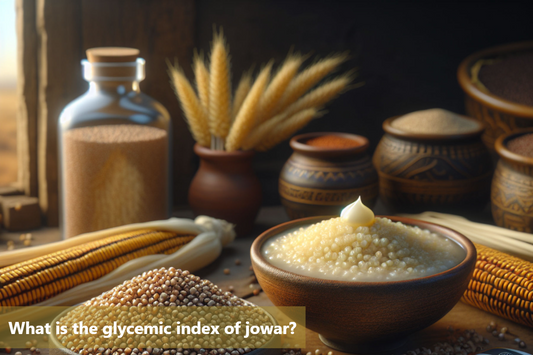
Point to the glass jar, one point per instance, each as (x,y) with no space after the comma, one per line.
(114,148)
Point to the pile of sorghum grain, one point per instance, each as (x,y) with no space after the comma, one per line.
(334,249)
(434,121)
(522,145)
(164,296)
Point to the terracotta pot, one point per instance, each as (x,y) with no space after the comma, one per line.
(419,172)
(365,317)
(317,181)
(512,187)
(499,115)
(226,187)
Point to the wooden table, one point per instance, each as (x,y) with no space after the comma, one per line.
(462,316)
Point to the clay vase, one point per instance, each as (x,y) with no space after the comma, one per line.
(499,115)
(512,187)
(318,181)
(422,172)
(226,187)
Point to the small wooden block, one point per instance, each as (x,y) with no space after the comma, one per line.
(20,212)
(10,191)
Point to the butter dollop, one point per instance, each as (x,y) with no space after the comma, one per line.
(357,214)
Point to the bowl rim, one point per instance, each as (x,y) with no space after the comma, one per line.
(501,147)
(297,144)
(467,245)
(494,102)
(393,131)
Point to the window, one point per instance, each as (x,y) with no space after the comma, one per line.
(8,94)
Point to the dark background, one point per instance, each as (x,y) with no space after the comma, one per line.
(407,53)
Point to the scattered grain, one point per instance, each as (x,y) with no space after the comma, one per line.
(227,271)
(468,342)
(238,262)
(256,292)
(504,330)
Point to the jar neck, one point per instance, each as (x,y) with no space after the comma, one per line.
(114,87)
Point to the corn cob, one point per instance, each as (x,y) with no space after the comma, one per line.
(38,279)
(502,284)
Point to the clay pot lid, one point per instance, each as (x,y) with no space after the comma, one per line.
(494,102)
(112,54)
(393,131)
(501,147)
(298,144)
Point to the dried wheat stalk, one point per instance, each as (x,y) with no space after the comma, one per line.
(240,94)
(309,78)
(195,114)
(277,87)
(259,133)
(245,119)
(219,89)
(287,128)
(202,79)
(261,114)
(321,95)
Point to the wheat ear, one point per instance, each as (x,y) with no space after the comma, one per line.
(202,79)
(245,119)
(258,134)
(309,78)
(219,88)
(321,95)
(195,114)
(277,87)
(242,91)
(287,128)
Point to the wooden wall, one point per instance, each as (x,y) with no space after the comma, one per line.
(407,53)
(62,31)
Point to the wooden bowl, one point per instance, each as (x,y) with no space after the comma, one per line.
(499,115)
(318,181)
(365,316)
(512,187)
(437,172)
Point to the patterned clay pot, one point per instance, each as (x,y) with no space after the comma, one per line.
(512,187)
(432,172)
(499,115)
(226,187)
(319,181)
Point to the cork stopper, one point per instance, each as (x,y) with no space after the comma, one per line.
(112,54)
(113,64)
